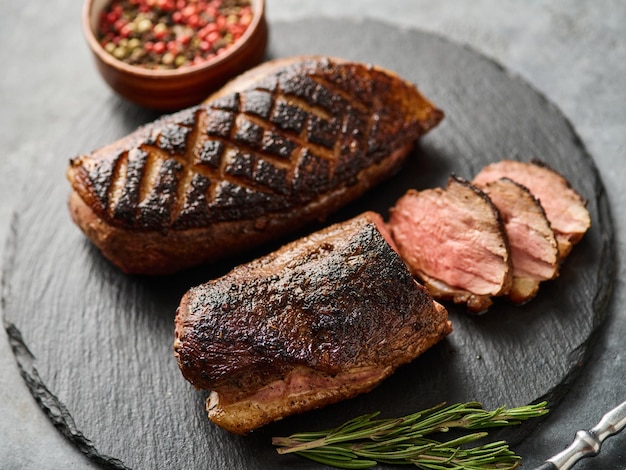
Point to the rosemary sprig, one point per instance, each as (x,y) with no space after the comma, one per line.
(364,441)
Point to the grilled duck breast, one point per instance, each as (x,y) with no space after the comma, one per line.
(320,320)
(454,240)
(281,146)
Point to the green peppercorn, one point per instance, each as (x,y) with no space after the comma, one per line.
(109,47)
(134,43)
(167,59)
(120,52)
(144,25)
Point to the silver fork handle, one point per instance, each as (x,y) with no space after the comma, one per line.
(588,443)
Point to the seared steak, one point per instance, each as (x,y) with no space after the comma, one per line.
(564,207)
(534,250)
(454,241)
(283,145)
(322,319)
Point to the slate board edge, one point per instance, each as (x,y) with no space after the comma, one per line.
(63,421)
(54,409)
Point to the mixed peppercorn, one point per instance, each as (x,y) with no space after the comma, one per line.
(168,34)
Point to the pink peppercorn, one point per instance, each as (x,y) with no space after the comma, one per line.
(213,36)
(159,47)
(193,21)
(173,47)
(189,10)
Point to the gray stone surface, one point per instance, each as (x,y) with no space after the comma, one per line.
(572,51)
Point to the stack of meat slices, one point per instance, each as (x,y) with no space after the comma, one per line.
(500,235)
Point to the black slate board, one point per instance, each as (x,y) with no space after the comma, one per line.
(95,346)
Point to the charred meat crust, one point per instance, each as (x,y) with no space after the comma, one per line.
(315,302)
(276,141)
(337,301)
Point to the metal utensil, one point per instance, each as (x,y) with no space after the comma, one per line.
(588,443)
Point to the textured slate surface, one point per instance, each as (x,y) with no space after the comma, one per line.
(101,341)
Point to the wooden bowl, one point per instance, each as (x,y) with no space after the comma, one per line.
(170,90)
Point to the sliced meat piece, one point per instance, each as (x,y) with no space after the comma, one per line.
(534,250)
(454,241)
(564,207)
(320,320)
(280,147)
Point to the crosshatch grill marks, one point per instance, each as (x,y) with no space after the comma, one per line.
(254,160)
(143,192)
(278,144)
(147,179)
(337,129)
(282,143)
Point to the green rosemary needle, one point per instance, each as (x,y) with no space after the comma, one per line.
(365,441)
